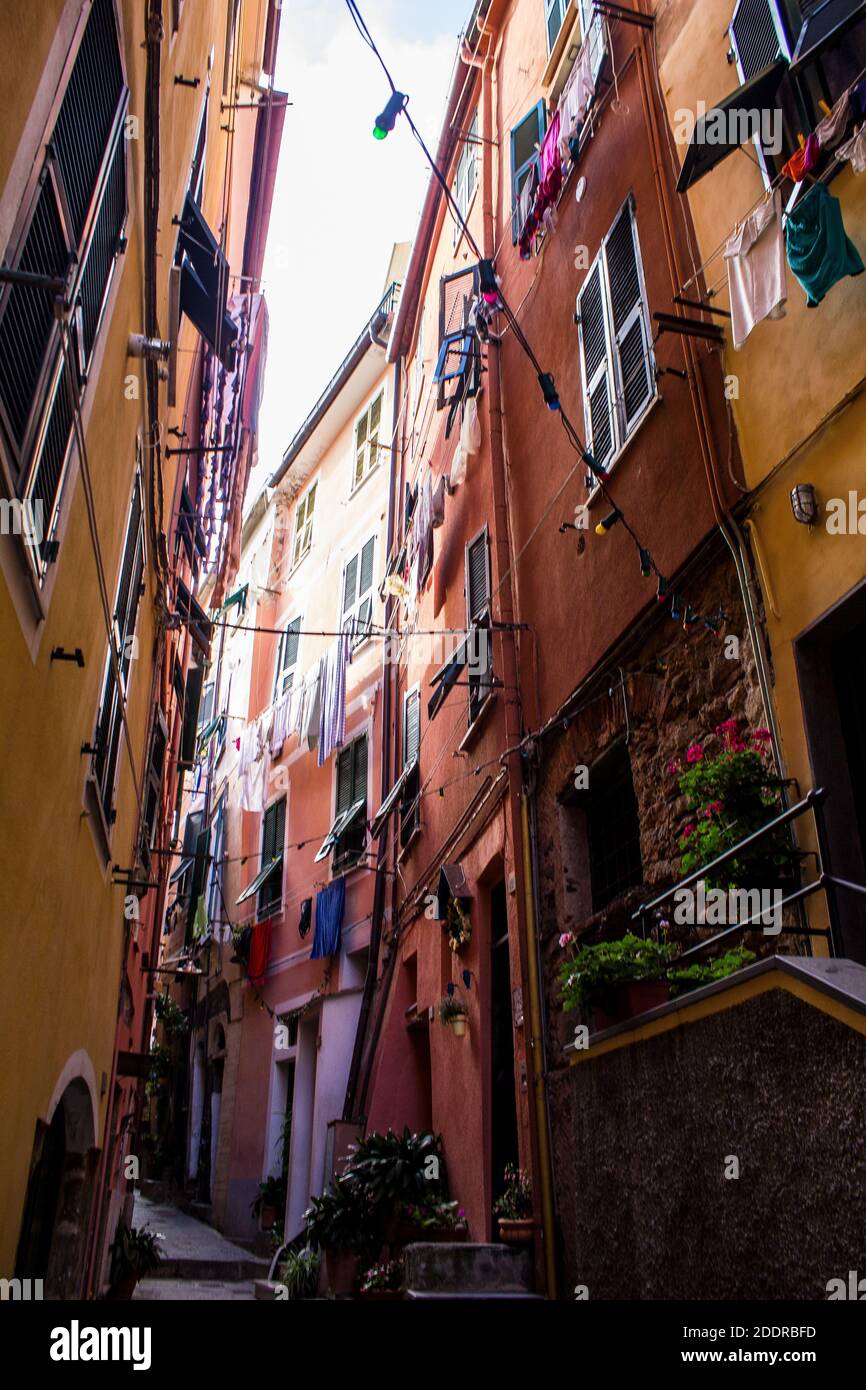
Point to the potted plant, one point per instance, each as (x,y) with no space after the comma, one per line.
(454,1012)
(442,1222)
(134,1255)
(171,1016)
(270,1203)
(617,979)
(514,1207)
(688,977)
(299,1272)
(160,1065)
(340,1223)
(382,1283)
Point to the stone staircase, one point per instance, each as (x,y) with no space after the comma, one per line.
(463,1271)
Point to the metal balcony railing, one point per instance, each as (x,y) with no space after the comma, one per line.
(825,882)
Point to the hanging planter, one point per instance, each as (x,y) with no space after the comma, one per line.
(458,927)
(454,1013)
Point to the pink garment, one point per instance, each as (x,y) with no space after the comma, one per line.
(550,162)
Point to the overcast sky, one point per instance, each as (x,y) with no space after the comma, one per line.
(342,198)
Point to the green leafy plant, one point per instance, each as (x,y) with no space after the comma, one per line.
(691,976)
(272,1193)
(731,793)
(387,1168)
(299,1272)
(387,1275)
(160,1062)
(342,1219)
(451,1006)
(134,1252)
(171,1015)
(589,976)
(515,1204)
(440,1216)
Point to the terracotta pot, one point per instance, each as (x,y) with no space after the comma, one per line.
(340,1269)
(407,1233)
(269,1218)
(516,1232)
(459,1025)
(628,1001)
(381,1295)
(123,1289)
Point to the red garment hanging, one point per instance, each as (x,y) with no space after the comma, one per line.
(260,950)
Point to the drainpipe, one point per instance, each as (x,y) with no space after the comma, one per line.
(517,815)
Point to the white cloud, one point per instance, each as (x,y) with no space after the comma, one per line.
(342,198)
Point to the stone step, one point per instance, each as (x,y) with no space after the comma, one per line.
(198,1268)
(446,1269)
(462,1295)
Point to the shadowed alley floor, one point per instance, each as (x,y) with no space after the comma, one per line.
(198,1263)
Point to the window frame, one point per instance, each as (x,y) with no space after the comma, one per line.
(410,824)
(534,160)
(622,431)
(371,452)
(477,618)
(271,906)
(549,6)
(467,160)
(214,889)
(303,530)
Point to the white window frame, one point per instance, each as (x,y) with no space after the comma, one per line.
(410,829)
(598,47)
(549,7)
(371,453)
(302,530)
(463,188)
(281,672)
(350,614)
(622,431)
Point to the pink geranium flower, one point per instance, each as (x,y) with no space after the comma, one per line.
(762,735)
(566,939)
(689,830)
(673,767)
(695,754)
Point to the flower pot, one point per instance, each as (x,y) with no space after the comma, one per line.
(381,1295)
(459,1025)
(518,1231)
(269,1218)
(628,1001)
(122,1289)
(340,1271)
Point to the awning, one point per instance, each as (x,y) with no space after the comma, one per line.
(340,826)
(825,25)
(729,124)
(260,878)
(452,884)
(445,678)
(381,817)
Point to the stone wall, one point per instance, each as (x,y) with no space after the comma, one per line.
(642,1137)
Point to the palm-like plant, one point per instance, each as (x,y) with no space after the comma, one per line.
(390,1168)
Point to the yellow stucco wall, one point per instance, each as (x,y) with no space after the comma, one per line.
(62,917)
(792,376)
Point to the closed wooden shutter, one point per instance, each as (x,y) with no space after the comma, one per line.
(477,576)
(350,584)
(359,769)
(627,312)
(88,111)
(344,780)
(411,727)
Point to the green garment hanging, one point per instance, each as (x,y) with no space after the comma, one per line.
(819,252)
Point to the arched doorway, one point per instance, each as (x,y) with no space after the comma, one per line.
(53,1240)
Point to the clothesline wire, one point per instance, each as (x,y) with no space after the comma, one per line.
(774,184)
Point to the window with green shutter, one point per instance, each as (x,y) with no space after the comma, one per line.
(357,614)
(303,526)
(273,839)
(367,441)
(351,803)
(478,589)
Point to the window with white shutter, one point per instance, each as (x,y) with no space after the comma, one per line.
(616,354)
(303,526)
(757,36)
(287,658)
(367,441)
(554,14)
(357,614)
